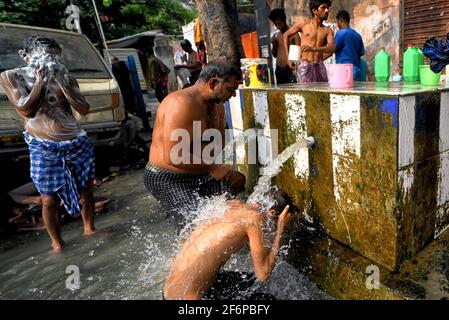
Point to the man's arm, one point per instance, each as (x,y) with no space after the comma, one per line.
(71,90)
(275,43)
(296,40)
(27,104)
(291,31)
(264,259)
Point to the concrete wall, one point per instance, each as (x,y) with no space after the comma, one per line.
(376,179)
(378,22)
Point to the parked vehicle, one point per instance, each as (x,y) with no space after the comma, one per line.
(106,122)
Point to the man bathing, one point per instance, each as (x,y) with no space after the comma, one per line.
(316,40)
(61,154)
(283,72)
(212,243)
(176,176)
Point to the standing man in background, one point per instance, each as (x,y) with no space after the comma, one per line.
(284,73)
(349,44)
(317,41)
(191,62)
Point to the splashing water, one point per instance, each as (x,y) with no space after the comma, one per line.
(228,151)
(272,169)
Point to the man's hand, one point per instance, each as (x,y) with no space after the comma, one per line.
(60,73)
(292,65)
(284,219)
(306,48)
(236,181)
(42,74)
(221,172)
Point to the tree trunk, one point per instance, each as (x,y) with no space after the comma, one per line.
(219,19)
(279,4)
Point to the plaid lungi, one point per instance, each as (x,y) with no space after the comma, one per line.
(63,168)
(180,192)
(309,72)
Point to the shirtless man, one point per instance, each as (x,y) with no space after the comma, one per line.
(212,243)
(283,72)
(316,40)
(61,154)
(190,112)
(191,63)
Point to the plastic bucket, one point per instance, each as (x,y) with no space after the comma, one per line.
(428,77)
(294,53)
(340,75)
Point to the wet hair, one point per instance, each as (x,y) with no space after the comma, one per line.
(277,14)
(343,15)
(185,43)
(34,42)
(220,69)
(281,200)
(314,4)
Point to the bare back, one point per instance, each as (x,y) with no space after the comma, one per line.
(180,110)
(206,251)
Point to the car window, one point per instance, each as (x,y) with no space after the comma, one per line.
(78,55)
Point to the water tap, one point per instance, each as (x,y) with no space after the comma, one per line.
(310,141)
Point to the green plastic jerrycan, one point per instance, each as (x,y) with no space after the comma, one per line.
(382,66)
(411,60)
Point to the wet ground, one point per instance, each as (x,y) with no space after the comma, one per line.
(131,263)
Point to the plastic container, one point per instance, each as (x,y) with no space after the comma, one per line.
(420,56)
(428,77)
(382,66)
(340,75)
(411,61)
(294,53)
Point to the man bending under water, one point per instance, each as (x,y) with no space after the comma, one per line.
(61,154)
(316,40)
(211,244)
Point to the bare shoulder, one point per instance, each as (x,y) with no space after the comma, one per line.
(244,215)
(11,75)
(302,21)
(178,99)
(180,104)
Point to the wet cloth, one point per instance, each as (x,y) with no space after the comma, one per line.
(63,168)
(309,72)
(180,191)
(234,285)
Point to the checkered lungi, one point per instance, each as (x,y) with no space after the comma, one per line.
(180,191)
(63,168)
